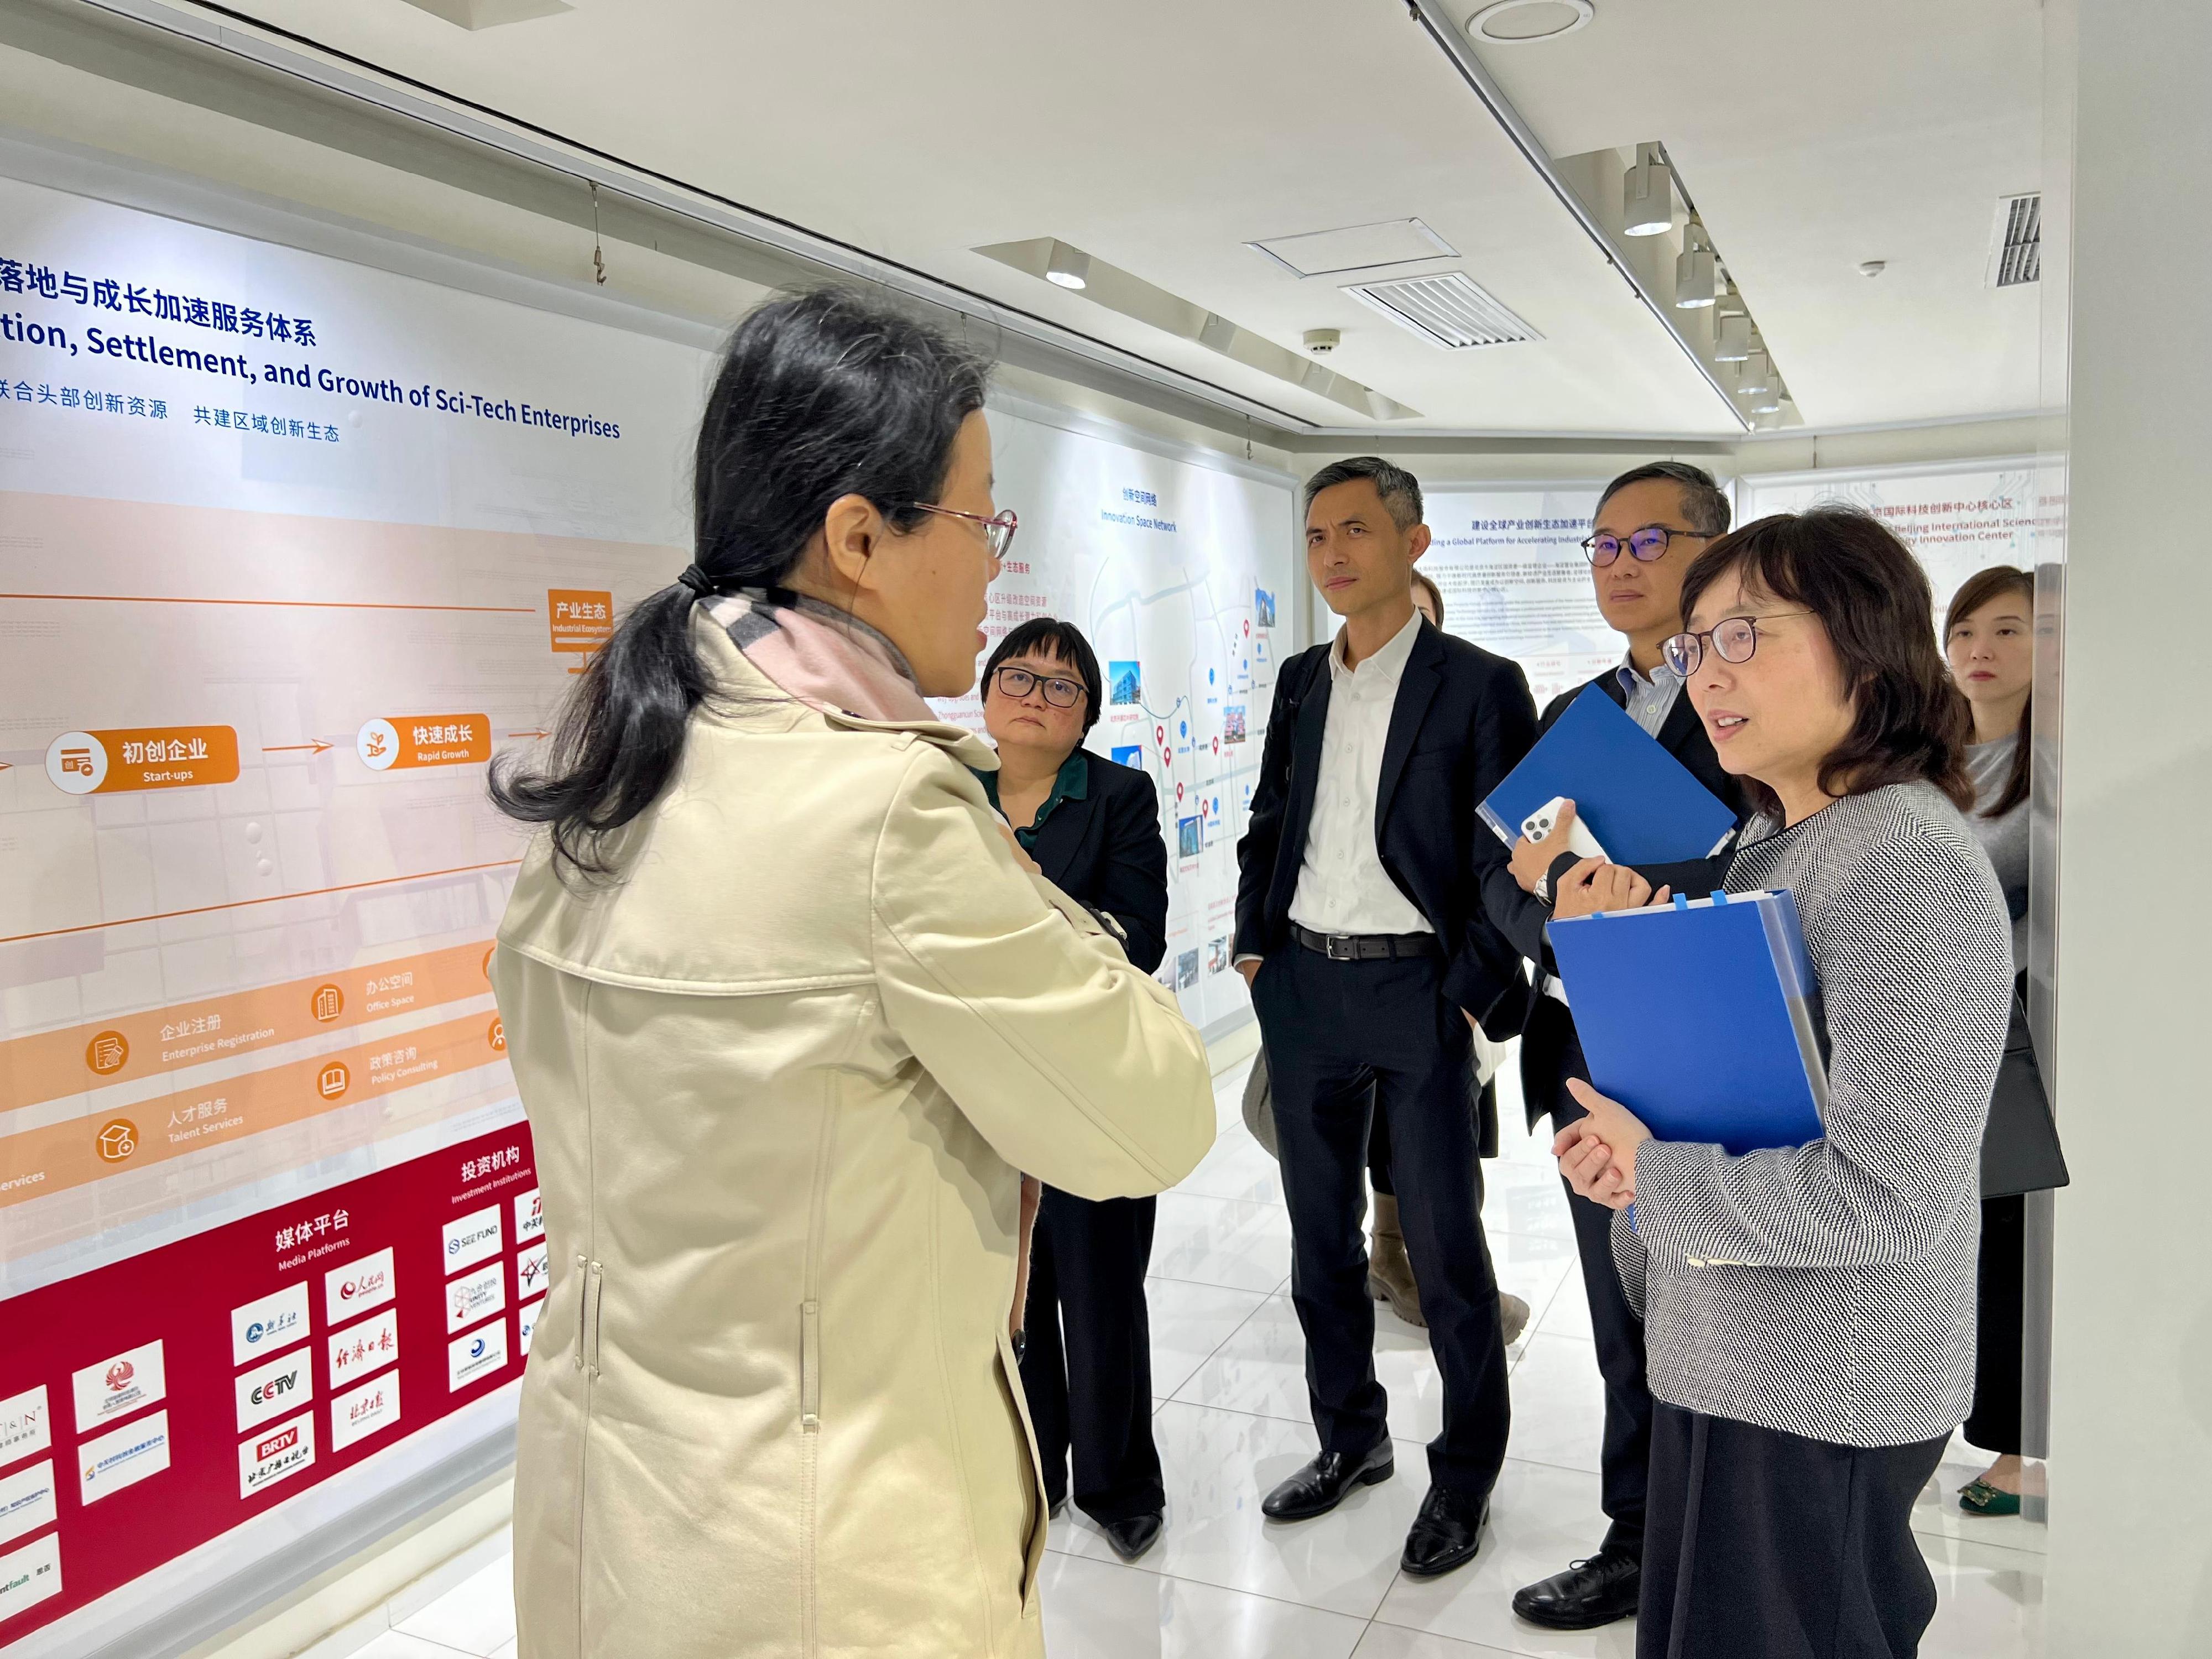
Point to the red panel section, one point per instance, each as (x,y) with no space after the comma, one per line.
(186,1296)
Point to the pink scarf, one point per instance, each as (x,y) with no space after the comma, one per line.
(820,655)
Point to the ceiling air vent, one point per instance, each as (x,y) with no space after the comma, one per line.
(2016,241)
(1450,311)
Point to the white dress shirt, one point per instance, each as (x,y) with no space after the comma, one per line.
(1342,886)
(1650,698)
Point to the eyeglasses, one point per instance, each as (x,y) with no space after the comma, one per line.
(998,530)
(1735,639)
(1059,693)
(1646,545)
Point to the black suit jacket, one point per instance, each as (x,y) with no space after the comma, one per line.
(1105,851)
(1545,1052)
(1463,719)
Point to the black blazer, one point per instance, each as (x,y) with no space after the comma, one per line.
(1550,1050)
(1464,719)
(1105,852)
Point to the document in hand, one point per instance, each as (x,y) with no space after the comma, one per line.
(1697,1016)
(1643,805)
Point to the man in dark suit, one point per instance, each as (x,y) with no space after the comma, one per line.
(1650,523)
(1360,928)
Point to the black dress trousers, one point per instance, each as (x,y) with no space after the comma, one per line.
(2001,1285)
(1550,1055)
(1763,1545)
(1345,1039)
(1087,1368)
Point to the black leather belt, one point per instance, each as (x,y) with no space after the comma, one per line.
(1367,947)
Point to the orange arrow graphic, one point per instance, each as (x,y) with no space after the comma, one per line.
(530,734)
(316,747)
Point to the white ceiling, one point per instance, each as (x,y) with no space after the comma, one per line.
(1163,135)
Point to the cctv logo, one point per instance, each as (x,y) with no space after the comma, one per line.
(269,1392)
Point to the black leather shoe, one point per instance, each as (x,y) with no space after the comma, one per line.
(1587,1595)
(1133,1537)
(1321,1486)
(1445,1533)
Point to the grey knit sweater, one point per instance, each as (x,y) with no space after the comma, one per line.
(1828,1290)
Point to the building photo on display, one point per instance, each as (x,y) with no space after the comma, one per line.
(875,666)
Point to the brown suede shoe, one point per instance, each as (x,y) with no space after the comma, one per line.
(1389,1270)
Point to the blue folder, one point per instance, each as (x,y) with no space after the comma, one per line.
(1643,805)
(1697,1016)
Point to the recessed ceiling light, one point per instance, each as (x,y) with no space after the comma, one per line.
(1070,267)
(1873,267)
(1517,22)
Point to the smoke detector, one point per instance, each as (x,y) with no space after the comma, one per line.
(1319,340)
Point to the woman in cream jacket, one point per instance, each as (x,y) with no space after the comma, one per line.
(790,1012)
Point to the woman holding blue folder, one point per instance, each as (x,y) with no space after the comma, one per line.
(1810,1310)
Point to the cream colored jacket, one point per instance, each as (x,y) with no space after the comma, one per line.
(780,1076)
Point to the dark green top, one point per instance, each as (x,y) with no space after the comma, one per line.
(1072,782)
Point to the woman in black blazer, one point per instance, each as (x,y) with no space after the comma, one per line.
(1093,827)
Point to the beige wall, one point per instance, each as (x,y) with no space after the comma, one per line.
(2130,1568)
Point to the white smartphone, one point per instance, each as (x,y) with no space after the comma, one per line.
(1538,826)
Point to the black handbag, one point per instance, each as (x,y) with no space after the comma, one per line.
(2019,1148)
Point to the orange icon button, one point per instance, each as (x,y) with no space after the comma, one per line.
(108,1051)
(117,1140)
(397,742)
(142,758)
(333,1080)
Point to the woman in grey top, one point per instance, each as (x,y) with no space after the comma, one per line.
(1809,1311)
(1989,634)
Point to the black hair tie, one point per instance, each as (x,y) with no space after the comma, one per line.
(703,585)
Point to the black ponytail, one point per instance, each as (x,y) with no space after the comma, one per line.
(819,397)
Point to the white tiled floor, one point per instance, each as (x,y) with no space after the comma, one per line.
(1227,1366)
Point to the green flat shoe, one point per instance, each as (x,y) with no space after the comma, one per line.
(1980,1497)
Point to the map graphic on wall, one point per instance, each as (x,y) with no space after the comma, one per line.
(1168,567)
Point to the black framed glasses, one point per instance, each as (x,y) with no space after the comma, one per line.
(1020,681)
(1735,639)
(1644,545)
(998,530)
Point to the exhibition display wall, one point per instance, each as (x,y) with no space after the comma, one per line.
(291,549)
(1509,559)
(1958,517)
(1509,562)
(1172,568)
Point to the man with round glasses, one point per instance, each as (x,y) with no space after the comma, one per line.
(1650,523)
